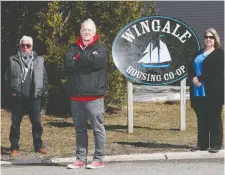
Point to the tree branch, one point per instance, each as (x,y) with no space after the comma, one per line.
(66,19)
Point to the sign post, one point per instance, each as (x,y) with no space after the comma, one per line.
(130,107)
(182,104)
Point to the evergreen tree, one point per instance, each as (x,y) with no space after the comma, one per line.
(60,24)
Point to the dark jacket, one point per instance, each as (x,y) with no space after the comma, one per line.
(212,76)
(86,69)
(13,76)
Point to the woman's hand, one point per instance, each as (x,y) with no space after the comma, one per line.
(196,82)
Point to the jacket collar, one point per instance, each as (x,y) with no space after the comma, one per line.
(79,42)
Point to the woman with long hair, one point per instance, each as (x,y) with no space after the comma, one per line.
(206,75)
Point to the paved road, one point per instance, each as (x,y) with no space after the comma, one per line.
(157,93)
(166,167)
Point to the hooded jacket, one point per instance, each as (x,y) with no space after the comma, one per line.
(85,67)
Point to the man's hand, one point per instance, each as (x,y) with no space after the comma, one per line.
(76,56)
(13,94)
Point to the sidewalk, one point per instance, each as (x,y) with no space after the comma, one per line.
(123,158)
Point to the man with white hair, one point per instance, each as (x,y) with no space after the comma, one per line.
(26,81)
(85,63)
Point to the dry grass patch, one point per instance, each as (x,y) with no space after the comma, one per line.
(156,129)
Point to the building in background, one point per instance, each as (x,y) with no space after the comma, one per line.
(199,15)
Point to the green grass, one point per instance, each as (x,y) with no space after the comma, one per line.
(156,129)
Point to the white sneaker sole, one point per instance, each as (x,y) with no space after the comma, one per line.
(93,167)
(71,166)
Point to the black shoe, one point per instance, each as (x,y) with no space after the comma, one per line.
(214,150)
(197,148)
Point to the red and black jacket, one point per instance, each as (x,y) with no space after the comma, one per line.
(86,70)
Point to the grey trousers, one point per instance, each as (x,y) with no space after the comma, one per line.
(83,111)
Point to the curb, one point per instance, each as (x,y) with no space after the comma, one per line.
(124,158)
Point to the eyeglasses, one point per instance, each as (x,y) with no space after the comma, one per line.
(25,45)
(209,37)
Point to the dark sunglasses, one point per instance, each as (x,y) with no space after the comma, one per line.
(27,45)
(209,37)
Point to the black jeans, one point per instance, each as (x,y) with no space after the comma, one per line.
(33,107)
(210,130)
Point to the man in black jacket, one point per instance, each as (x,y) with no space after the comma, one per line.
(26,81)
(85,63)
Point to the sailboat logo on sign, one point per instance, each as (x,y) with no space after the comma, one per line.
(156,56)
(154,50)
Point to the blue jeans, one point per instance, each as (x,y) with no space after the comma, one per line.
(82,111)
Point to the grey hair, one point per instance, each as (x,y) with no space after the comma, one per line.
(215,34)
(28,38)
(90,21)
